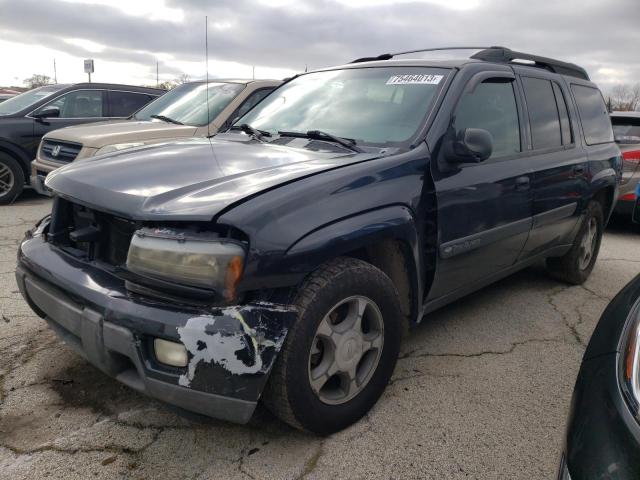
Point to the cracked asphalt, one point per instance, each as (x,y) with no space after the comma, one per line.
(481,391)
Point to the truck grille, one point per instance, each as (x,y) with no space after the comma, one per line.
(63,152)
(90,234)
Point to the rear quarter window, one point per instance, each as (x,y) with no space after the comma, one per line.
(594,116)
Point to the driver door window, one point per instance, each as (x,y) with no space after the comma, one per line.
(492,107)
(80,104)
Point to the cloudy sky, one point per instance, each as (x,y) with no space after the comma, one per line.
(279,37)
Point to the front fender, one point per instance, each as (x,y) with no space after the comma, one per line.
(350,234)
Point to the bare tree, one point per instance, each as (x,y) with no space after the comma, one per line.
(37,80)
(625,97)
(184,78)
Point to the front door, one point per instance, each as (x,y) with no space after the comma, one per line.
(484,209)
(76,107)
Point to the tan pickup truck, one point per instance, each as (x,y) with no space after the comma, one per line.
(179,113)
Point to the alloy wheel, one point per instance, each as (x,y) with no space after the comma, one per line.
(346,350)
(7,179)
(588,243)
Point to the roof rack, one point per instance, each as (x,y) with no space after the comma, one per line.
(387,56)
(499,55)
(506,55)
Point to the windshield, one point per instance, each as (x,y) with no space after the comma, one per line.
(187,103)
(381,106)
(626,129)
(26,99)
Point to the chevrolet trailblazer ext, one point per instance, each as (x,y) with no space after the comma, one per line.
(282,260)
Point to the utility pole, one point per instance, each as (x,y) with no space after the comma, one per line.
(253,72)
(157,74)
(55,72)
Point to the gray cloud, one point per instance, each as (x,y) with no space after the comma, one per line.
(592,33)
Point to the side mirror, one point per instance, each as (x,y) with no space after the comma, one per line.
(47,112)
(636,210)
(472,145)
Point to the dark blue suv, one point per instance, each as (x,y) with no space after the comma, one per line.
(282,260)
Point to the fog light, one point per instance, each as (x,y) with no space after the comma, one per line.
(170,353)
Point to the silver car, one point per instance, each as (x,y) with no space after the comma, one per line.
(626,130)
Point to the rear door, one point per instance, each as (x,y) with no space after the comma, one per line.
(560,178)
(484,209)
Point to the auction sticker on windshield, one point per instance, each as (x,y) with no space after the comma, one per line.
(415,79)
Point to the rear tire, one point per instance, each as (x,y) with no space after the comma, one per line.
(576,265)
(327,337)
(11,179)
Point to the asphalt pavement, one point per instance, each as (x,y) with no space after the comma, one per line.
(481,391)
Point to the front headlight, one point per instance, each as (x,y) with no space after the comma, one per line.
(630,360)
(116,147)
(187,257)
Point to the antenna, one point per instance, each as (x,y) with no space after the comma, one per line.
(206,63)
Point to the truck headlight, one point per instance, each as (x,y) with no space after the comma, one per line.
(185,257)
(630,360)
(116,147)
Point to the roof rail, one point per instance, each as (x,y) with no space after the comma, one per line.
(387,56)
(499,55)
(506,55)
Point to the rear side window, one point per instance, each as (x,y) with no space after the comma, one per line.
(492,107)
(596,124)
(543,113)
(626,129)
(123,104)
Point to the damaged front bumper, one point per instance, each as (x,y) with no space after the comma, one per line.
(231,350)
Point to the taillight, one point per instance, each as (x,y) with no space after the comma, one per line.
(628,196)
(631,156)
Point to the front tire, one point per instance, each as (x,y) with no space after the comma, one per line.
(339,356)
(11,179)
(576,265)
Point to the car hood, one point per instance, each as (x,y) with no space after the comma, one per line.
(193,179)
(97,135)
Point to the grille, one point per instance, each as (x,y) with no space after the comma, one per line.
(63,152)
(90,234)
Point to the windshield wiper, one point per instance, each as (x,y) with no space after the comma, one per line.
(348,143)
(166,119)
(249,130)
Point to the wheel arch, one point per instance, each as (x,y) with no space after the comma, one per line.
(386,238)
(605,195)
(18,155)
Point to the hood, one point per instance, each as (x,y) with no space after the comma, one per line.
(188,180)
(97,135)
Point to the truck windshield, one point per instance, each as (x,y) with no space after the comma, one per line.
(26,99)
(382,106)
(187,104)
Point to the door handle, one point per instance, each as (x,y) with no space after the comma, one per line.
(522,183)
(579,169)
